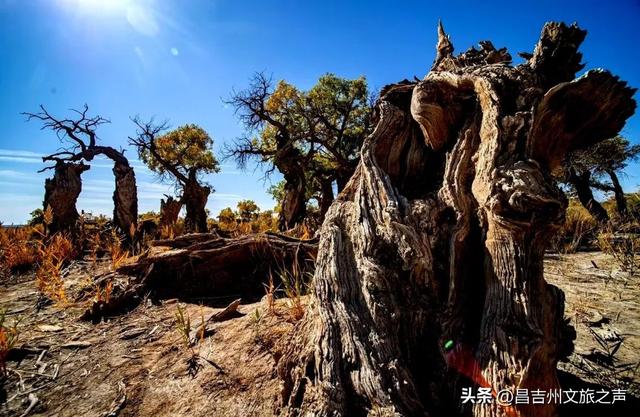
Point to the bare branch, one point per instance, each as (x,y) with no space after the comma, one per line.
(145,140)
(79,133)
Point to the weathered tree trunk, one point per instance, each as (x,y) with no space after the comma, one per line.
(582,183)
(61,195)
(429,274)
(289,161)
(194,197)
(125,199)
(293,210)
(618,192)
(169,211)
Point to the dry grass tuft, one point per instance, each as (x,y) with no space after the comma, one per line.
(95,245)
(183,325)
(168,232)
(47,215)
(53,256)
(295,285)
(623,247)
(18,251)
(9,336)
(578,228)
(118,255)
(301,231)
(103,293)
(270,290)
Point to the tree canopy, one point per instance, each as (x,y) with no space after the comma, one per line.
(248,210)
(598,167)
(183,155)
(303,134)
(326,124)
(179,152)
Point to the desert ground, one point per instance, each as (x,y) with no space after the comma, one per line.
(136,364)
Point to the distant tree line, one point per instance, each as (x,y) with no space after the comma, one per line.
(312,138)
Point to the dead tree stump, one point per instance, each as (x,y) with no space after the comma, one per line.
(429,274)
(169,211)
(61,195)
(125,198)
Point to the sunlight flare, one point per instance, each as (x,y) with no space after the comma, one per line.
(138,13)
(98,6)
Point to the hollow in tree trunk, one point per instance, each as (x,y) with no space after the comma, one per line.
(61,195)
(125,199)
(429,274)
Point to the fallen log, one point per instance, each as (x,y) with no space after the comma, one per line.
(204,268)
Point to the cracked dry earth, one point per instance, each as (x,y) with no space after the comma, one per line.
(137,365)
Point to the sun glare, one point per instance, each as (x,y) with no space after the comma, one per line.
(98,6)
(138,13)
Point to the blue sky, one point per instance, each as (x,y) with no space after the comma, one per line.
(177,60)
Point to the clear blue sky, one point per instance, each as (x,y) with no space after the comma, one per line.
(178,59)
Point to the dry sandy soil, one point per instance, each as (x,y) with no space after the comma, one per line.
(137,365)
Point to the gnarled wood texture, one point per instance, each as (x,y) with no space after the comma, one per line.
(195,198)
(61,194)
(125,198)
(440,234)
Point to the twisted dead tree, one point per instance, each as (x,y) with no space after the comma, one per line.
(429,274)
(80,139)
(598,168)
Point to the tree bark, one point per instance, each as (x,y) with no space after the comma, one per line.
(618,192)
(194,197)
(429,274)
(61,195)
(169,211)
(293,210)
(582,183)
(125,199)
